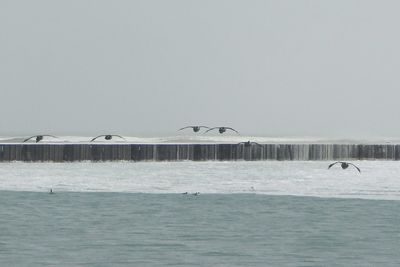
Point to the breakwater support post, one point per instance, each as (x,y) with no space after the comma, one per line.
(61,152)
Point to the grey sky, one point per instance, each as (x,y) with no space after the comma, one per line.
(319,68)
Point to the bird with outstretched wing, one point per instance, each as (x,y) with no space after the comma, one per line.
(221,130)
(39,137)
(107,137)
(195,128)
(344,165)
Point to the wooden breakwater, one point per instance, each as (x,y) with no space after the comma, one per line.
(195,152)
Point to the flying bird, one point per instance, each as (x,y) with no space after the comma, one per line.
(248,144)
(107,137)
(39,137)
(221,130)
(345,165)
(195,128)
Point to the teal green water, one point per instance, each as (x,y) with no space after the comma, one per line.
(116,229)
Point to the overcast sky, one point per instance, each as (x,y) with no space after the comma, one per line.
(292,68)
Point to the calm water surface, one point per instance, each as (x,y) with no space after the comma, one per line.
(152,229)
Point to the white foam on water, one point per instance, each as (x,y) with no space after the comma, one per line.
(378,180)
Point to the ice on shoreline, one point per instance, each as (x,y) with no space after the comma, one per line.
(204,139)
(378,180)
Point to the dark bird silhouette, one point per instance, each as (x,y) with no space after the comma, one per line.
(248,144)
(51,191)
(344,165)
(39,137)
(107,137)
(221,130)
(195,128)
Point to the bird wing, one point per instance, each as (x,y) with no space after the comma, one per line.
(50,135)
(119,136)
(29,138)
(204,127)
(185,128)
(97,137)
(358,169)
(232,129)
(211,129)
(333,164)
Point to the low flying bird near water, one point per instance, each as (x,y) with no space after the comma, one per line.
(248,143)
(221,130)
(344,165)
(39,137)
(195,128)
(107,137)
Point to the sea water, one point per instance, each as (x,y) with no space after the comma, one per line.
(247,214)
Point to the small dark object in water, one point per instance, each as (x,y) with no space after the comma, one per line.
(248,144)
(107,137)
(196,194)
(221,130)
(185,193)
(344,165)
(39,137)
(51,191)
(195,128)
